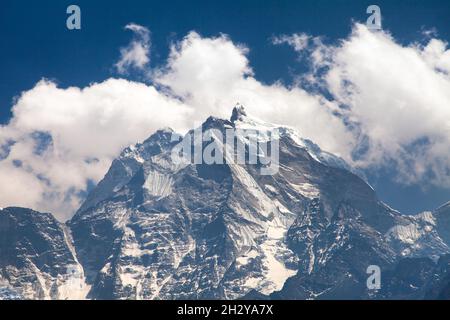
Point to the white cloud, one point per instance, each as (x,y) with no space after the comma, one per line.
(137,53)
(298,41)
(212,74)
(399,96)
(203,76)
(88,128)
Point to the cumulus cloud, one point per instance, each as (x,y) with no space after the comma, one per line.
(400,97)
(385,103)
(137,54)
(60,140)
(396,96)
(85,128)
(212,74)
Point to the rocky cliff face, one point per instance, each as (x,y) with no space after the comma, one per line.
(157,228)
(37,260)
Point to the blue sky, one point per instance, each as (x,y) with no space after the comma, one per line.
(36,44)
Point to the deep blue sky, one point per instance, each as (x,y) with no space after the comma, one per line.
(35,44)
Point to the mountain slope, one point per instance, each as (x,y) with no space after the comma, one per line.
(36,258)
(159,228)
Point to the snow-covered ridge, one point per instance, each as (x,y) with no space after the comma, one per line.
(418,237)
(241,120)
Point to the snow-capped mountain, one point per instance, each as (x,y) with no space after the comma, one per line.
(157,228)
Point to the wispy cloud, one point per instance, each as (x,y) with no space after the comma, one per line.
(298,41)
(137,54)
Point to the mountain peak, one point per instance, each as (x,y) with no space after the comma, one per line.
(238,112)
(165,130)
(163,134)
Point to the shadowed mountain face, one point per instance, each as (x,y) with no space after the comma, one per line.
(156,228)
(37,260)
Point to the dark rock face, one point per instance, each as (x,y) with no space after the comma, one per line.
(36,261)
(155,228)
(339,253)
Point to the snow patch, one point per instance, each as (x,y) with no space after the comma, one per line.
(407,234)
(158,184)
(306,189)
(270,188)
(75,286)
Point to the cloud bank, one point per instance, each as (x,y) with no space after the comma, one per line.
(60,140)
(397,97)
(386,104)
